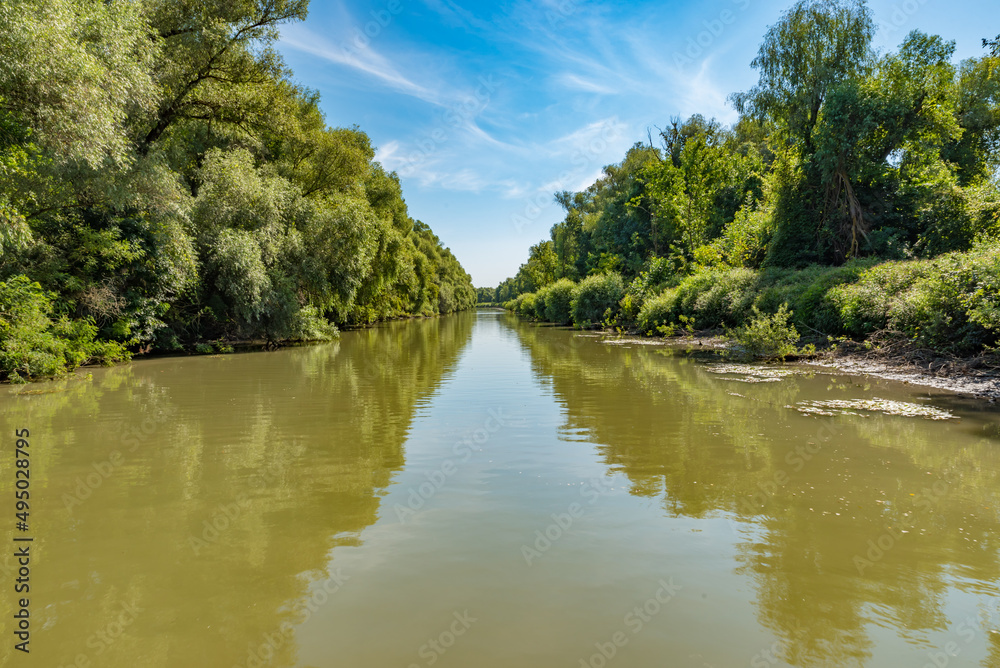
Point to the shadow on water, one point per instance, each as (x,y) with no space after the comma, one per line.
(847,525)
(194,502)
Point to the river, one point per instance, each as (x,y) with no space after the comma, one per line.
(477,491)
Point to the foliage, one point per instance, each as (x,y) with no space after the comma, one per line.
(815,46)
(765,336)
(950,304)
(165,179)
(842,159)
(596,299)
(36,343)
(559,302)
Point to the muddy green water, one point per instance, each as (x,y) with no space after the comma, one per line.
(480,492)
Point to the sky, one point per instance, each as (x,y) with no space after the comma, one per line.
(486,109)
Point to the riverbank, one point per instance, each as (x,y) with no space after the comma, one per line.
(932,319)
(977,377)
(48,355)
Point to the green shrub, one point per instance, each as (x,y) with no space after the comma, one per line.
(596,299)
(949,304)
(34,343)
(690,289)
(658,312)
(745,239)
(934,311)
(540,298)
(765,337)
(526,304)
(310,325)
(658,273)
(559,302)
(628,311)
(727,300)
(864,306)
(809,293)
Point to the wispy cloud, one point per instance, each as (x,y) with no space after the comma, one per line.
(365,60)
(576,82)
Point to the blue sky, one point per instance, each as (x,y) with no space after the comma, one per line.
(486,109)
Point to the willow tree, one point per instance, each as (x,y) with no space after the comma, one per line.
(218,63)
(816,45)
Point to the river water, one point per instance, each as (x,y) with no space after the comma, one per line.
(475,491)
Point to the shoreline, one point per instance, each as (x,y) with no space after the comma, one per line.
(955,375)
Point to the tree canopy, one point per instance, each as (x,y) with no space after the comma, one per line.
(839,153)
(164,181)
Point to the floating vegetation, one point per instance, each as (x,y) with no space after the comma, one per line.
(634,342)
(831,407)
(750,373)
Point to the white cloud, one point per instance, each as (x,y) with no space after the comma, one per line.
(365,60)
(574,82)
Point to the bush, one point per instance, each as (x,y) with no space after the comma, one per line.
(727,300)
(35,345)
(766,337)
(949,307)
(658,312)
(808,292)
(950,304)
(745,239)
(310,325)
(559,302)
(540,297)
(864,306)
(526,304)
(596,299)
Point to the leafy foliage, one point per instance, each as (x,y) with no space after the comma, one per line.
(842,158)
(35,342)
(559,302)
(765,337)
(165,183)
(596,298)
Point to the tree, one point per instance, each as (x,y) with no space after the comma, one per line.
(906,108)
(77,74)
(993,45)
(217,63)
(816,45)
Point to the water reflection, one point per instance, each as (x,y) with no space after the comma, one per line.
(185,508)
(195,511)
(848,525)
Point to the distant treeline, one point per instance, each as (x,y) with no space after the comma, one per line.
(164,182)
(841,158)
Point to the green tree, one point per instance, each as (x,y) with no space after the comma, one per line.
(816,45)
